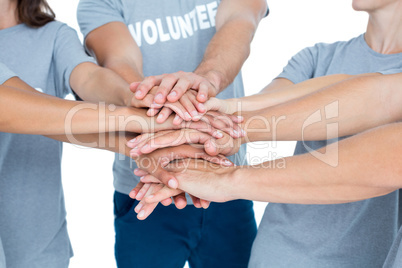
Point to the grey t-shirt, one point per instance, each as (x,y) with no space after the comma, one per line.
(32,214)
(394,258)
(172,36)
(5,74)
(350,235)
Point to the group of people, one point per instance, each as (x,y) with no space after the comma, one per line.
(171,69)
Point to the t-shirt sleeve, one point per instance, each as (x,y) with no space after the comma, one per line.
(92,14)
(67,54)
(301,66)
(392,71)
(5,73)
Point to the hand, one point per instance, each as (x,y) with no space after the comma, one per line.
(148,143)
(173,86)
(143,190)
(155,162)
(199,178)
(229,106)
(186,108)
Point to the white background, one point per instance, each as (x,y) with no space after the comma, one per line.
(87,173)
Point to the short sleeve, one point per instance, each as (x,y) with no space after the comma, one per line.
(5,73)
(392,71)
(92,14)
(301,66)
(67,54)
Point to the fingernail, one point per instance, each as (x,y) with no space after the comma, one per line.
(138,94)
(218,134)
(151,196)
(172,184)
(139,207)
(160,116)
(141,214)
(173,94)
(142,178)
(159,96)
(243,132)
(241,118)
(228,163)
(236,133)
(187,115)
(201,106)
(176,118)
(132,195)
(202,96)
(194,113)
(133,140)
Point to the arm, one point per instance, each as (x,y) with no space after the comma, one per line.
(27,111)
(236,23)
(353,105)
(115,49)
(279,91)
(363,171)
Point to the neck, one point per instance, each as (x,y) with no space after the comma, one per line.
(8,14)
(384,29)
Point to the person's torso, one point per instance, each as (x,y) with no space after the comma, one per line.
(349,235)
(172,36)
(32,213)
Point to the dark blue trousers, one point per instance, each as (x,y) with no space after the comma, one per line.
(220,236)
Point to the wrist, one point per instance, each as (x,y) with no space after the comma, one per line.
(214,77)
(234,183)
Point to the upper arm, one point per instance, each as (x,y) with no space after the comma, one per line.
(251,11)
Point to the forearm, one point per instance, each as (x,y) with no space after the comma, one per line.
(362,171)
(114,141)
(236,24)
(27,111)
(94,84)
(353,105)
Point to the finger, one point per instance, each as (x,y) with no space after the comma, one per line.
(179,110)
(203,90)
(179,89)
(223,123)
(177,120)
(197,105)
(162,195)
(134,86)
(165,87)
(189,106)
(163,115)
(152,112)
(196,202)
(140,138)
(149,179)
(146,85)
(143,191)
(136,189)
(180,201)
(167,202)
(204,203)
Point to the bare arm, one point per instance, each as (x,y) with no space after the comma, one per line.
(26,111)
(355,104)
(114,48)
(236,22)
(369,165)
(362,171)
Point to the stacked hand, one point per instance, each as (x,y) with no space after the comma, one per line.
(200,128)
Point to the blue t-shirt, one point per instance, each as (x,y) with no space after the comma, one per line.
(172,36)
(350,235)
(5,73)
(32,214)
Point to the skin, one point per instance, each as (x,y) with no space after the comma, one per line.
(354,106)
(236,22)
